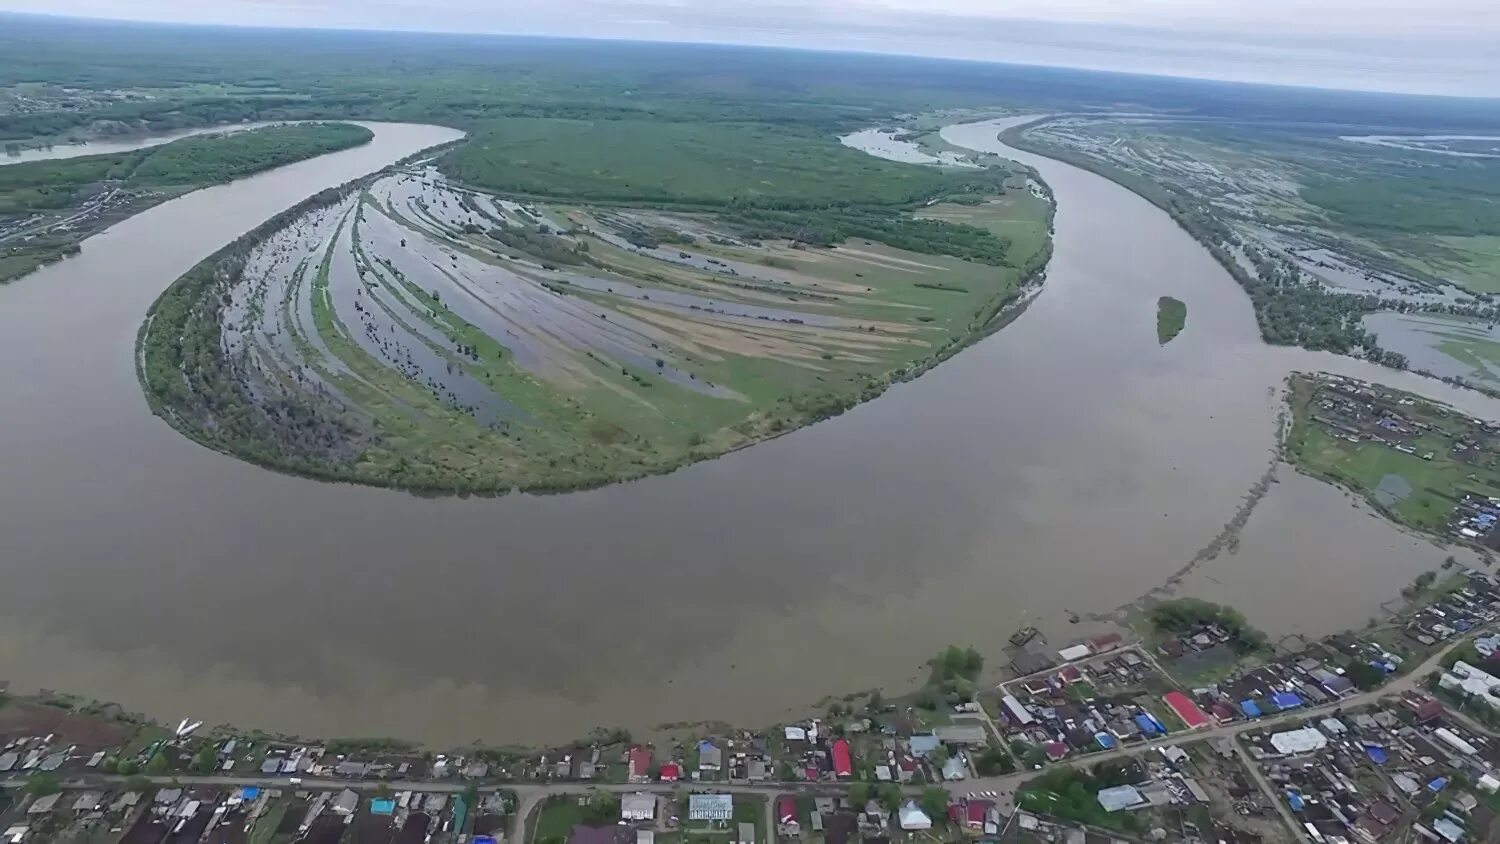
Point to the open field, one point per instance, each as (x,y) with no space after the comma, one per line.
(48,207)
(415,333)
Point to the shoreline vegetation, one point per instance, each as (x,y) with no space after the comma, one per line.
(846,300)
(48,207)
(1171,316)
(1289,311)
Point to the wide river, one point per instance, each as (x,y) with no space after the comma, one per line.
(1066,463)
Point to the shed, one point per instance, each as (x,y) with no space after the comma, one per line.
(347,803)
(43,805)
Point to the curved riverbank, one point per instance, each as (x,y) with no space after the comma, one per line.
(1068,462)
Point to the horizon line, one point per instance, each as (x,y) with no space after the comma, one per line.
(829,50)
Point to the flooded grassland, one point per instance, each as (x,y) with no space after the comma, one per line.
(413,333)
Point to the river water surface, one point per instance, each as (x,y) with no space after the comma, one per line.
(1067,463)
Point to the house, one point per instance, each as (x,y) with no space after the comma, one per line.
(976,812)
(347,803)
(88,801)
(638,807)
(710,807)
(843,762)
(921,745)
(1120,798)
(954,769)
(671,772)
(1106,643)
(912,818)
(967,735)
(639,764)
(44,805)
(786,816)
(1186,710)
(710,757)
(745,834)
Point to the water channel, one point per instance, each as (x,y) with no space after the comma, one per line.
(1068,463)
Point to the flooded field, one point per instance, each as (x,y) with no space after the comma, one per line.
(1067,463)
(889,144)
(1446,346)
(1465,146)
(417,335)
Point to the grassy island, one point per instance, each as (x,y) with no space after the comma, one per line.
(1171,316)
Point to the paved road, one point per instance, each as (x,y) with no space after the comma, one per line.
(530,795)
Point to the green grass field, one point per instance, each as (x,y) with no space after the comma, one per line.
(680,162)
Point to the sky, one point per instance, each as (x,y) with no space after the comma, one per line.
(1415,46)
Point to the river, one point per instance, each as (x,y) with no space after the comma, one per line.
(1068,462)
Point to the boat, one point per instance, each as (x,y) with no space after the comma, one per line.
(1022,636)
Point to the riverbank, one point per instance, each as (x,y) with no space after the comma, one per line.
(36,229)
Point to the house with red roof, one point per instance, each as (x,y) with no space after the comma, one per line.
(671,772)
(639,761)
(786,814)
(1105,643)
(1191,715)
(843,762)
(976,812)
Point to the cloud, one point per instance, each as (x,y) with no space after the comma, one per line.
(1430,46)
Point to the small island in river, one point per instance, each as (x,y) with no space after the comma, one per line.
(1171,316)
(473,322)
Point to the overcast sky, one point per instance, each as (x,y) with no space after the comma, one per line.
(1422,46)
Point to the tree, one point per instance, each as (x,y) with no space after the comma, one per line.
(603,808)
(383,790)
(890,796)
(1363,675)
(43,783)
(994,761)
(935,803)
(127,767)
(859,793)
(158,764)
(205,760)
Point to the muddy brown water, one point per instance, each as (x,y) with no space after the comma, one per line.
(1067,463)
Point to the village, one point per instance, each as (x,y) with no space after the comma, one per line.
(1187,728)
